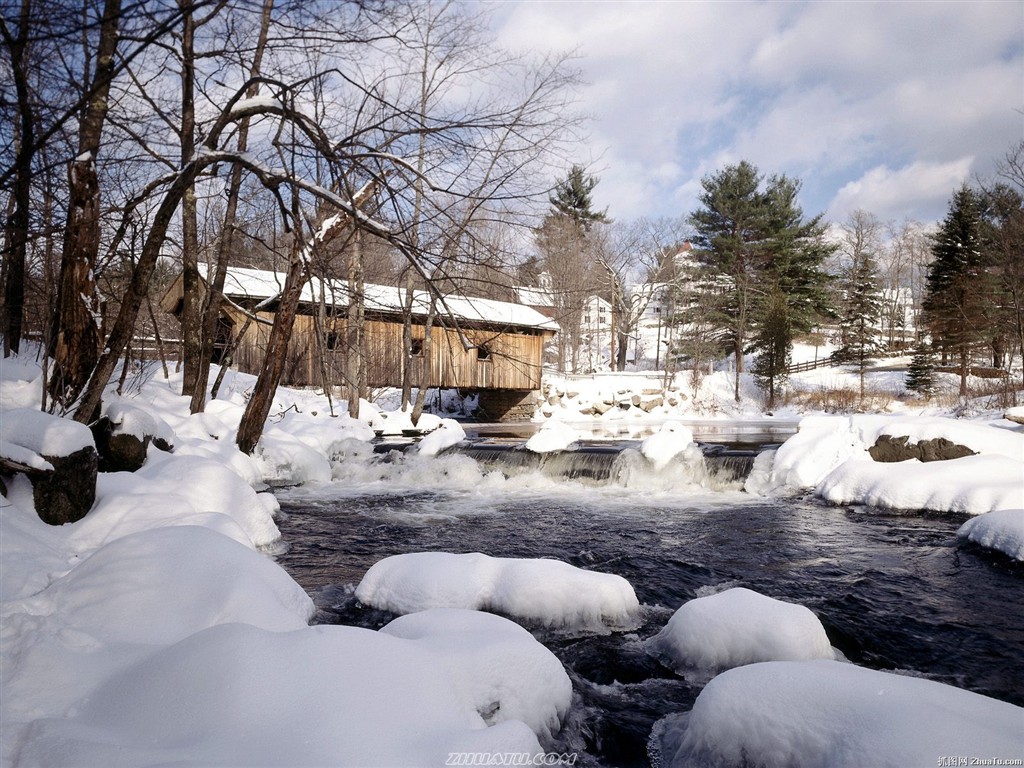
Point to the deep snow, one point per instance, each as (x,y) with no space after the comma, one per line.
(157,631)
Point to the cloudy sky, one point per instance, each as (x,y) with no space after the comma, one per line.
(883,106)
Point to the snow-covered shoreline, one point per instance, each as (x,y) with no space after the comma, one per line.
(123,633)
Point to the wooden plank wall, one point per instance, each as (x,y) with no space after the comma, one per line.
(514,362)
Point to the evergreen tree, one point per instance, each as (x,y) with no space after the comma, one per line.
(773,337)
(565,256)
(572,199)
(958,300)
(861,312)
(752,232)
(921,374)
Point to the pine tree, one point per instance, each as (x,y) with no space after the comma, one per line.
(572,198)
(859,322)
(921,374)
(957,304)
(752,231)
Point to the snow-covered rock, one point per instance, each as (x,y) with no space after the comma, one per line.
(663,446)
(545,592)
(495,663)
(972,484)
(447,433)
(236,694)
(553,436)
(1002,530)
(739,626)
(807,714)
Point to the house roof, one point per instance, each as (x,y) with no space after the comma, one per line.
(259,284)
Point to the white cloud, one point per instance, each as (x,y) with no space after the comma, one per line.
(914,190)
(851,97)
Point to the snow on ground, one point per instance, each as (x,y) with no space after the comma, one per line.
(806,714)
(549,593)
(155,631)
(737,627)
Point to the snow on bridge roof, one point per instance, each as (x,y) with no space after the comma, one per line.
(262,284)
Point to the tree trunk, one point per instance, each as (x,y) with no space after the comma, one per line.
(215,289)
(258,408)
(355,326)
(75,342)
(16,231)
(192,299)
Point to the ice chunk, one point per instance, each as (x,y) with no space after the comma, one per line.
(545,592)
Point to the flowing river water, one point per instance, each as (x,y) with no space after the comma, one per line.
(894,591)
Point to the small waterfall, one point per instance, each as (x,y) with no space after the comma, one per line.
(600,463)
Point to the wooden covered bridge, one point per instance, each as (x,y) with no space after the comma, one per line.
(502,362)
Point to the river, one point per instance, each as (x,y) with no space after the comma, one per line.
(894,591)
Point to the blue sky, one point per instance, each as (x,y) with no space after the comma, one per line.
(887,107)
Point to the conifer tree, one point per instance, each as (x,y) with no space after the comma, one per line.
(572,199)
(753,233)
(958,300)
(921,374)
(859,322)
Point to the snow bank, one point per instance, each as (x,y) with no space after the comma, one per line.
(972,484)
(737,627)
(239,695)
(495,663)
(826,713)
(661,447)
(21,383)
(545,592)
(830,455)
(1002,530)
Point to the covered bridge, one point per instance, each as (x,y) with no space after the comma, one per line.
(503,362)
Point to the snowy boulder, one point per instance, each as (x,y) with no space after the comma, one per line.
(447,434)
(1016,415)
(1001,530)
(973,484)
(548,593)
(661,447)
(552,436)
(825,713)
(60,456)
(499,666)
(737,627)
(123,435)
(239,695)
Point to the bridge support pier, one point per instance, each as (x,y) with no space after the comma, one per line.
(507,404)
